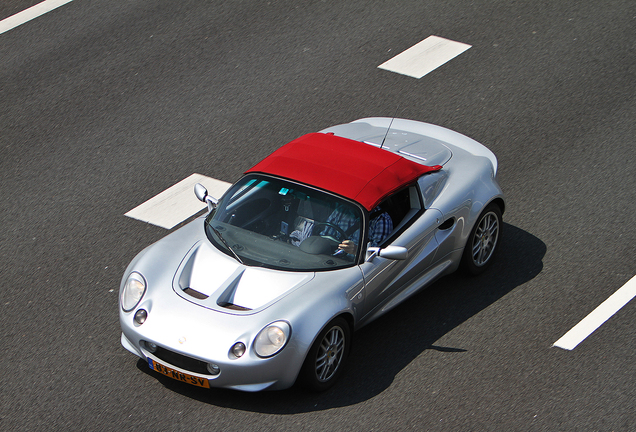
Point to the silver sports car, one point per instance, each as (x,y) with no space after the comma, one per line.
(324,235)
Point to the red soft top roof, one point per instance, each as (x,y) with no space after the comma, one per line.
(353,169)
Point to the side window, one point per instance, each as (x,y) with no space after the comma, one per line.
(403,207)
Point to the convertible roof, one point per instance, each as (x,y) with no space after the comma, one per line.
(353,169)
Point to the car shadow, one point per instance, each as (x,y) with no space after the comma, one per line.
(439,309)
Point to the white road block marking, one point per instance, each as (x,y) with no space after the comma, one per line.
(177,203)
(598,316)
(31,13)
(424,57)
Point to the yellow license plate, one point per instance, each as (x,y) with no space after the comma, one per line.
(179,376)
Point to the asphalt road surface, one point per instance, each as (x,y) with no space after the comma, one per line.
(104,104)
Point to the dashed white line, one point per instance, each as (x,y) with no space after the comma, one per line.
(31,13)
(424,57)
(177,203)
(598,316)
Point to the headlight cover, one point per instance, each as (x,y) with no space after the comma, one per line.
(133,291)
(272,339)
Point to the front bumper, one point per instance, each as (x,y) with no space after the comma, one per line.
(243,378)
(194,336)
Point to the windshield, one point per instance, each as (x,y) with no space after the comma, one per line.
(274,223)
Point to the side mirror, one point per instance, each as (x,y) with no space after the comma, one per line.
(202,194)
(389,252)
(200,191)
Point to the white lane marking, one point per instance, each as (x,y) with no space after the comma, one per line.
(598,316)
(424,57)
(31,13)
(177,203)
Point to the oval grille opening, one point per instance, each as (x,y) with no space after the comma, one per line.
(183,362)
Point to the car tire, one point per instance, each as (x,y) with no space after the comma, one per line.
(327,357)
(483,241)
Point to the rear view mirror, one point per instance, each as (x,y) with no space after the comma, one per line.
(389,252)
(202,194)
(394,253)
(200,191)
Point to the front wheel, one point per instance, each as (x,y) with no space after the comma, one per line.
(326,358)
(483,241)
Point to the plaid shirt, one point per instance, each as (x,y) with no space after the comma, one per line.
(379,228)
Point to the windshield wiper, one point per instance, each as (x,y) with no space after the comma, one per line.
(218,234)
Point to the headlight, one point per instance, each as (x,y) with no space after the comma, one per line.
(133,291)
(272,339)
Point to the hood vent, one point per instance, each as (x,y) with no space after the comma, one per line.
(195,294)
(233,306)
(211,279)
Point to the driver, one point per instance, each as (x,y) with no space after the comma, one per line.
(380,227)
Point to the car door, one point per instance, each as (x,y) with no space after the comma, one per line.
(385,279)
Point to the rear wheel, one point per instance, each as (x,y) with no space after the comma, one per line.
(483,241)
(327,356)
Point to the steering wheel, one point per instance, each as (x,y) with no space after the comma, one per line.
(340,231)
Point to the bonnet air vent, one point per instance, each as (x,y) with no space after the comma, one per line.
(233,306)
(195,294)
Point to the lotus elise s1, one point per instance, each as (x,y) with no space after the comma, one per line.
(326,234)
